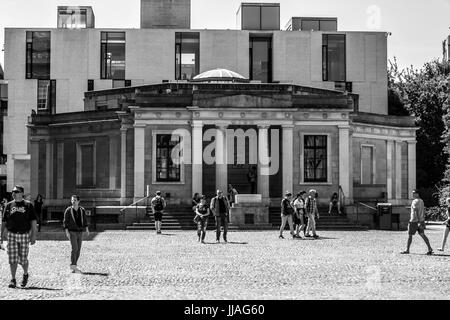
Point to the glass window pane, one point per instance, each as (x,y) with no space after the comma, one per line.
(251,18)
(328,25)
(87,165)
(308,25)
(113,55)
(270,18)
(187,52)
(261,63)
(38,56)
(336,58)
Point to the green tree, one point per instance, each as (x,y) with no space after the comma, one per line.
(424,94)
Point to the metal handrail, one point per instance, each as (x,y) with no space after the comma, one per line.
(135,204)
(341,198)
(364,205)
(367,206)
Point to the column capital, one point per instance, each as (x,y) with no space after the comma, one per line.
(197,124)
(287,126)
(125,127)
(412,142)
(344,127)
(263,126)
(139,125)
(221,126)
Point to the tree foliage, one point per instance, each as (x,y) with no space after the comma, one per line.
(424,94)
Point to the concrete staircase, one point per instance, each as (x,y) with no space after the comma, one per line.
(326,221)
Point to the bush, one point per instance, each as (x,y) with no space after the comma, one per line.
(435,214)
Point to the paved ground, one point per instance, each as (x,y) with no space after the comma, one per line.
(255,265)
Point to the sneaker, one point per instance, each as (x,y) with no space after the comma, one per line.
(440,249)
(281,236)
(24,281)
(12,284)
(72,268)
(404,252)
(158,232)
(77,270)
(307,236)
(430,253)
(203,241)
(315,236)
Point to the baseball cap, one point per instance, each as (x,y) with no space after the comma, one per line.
(18,189)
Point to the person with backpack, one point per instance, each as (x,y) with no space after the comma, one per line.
(158,205)
(220,207)
(287,212)
(312,212)
(74,224)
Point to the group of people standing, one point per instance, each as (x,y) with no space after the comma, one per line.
(300,213)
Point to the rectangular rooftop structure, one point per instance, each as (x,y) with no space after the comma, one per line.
(165,14)
(311,24)
(75,17)
(258,16)
(446,49)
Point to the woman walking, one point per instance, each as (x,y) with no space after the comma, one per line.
(447,226)
(201,218)
(299,206)
(286,214)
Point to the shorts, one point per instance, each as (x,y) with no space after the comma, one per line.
(158,216)
(18,248)
(414,227)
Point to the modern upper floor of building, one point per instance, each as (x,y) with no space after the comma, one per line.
(51,68)
(446,49)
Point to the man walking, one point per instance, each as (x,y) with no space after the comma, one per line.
(287,212)
(74,223)
(417,222)
(220,209)
(312,212)
(20,221)
(158,205)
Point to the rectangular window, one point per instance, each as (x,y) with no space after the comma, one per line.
(260,16)
(261,59)
(112,55)
(333,57)
(90,85)
(367,168)
(86,170)
(315,157)
(37,55)
(187,55)
(166,170)
(72,18)
(46,95)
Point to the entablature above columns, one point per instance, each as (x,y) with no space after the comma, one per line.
(384,132)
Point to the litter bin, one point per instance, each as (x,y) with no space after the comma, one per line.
(384,216)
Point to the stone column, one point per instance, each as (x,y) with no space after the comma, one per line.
(49,169)
(34,168)
(139,161)
(288,158)
(221,159)
(263,161)
(60,170)
(123,164)
(112,162)
(398,169)
(344,159)
(411,167)
(389,170)
(197,157)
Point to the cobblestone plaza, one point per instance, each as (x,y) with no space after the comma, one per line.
(253,265)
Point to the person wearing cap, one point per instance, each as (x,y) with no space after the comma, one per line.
(287,211)
(20,222)
(417,223)
(74,223)
(220,207)
(158,204)
(201,217)
(312,212)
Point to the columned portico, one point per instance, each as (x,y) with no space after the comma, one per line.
(221,158)
(197,156)
(344,159)
(263,161)
(139,160)
(288,158)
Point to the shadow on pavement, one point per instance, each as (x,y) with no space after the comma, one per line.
(167,234)
(61,236)
(225,243)
(39,288)
(95,274)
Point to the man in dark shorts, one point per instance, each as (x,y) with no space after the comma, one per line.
(158,205)
(417,223)
(220,207)
(20,221)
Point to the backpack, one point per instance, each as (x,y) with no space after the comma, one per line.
(158,205)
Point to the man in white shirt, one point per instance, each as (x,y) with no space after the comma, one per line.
(417,223)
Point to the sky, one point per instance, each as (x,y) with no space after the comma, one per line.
(418,27)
